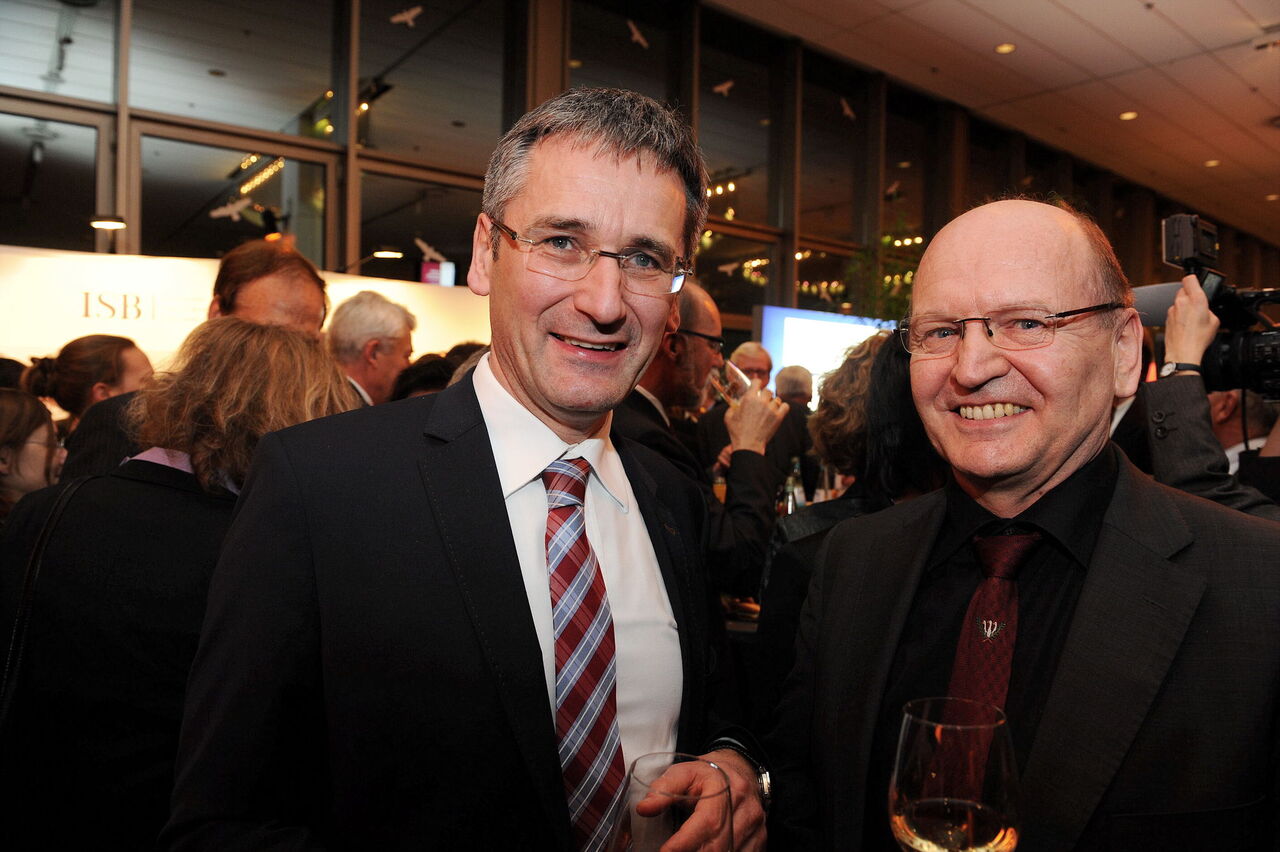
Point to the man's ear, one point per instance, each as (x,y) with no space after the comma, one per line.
(369,352)
(481,257)
(673,316)
(1128,354)
(214,310)
(1223,405)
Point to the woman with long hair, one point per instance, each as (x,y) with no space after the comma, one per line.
(87,370)
(89,743)
(30,457)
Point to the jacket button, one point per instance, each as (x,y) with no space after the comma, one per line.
(1161,432)
(1157,417)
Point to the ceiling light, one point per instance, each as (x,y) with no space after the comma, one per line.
(108,223)
(575,64)
(1128,115)
(1212,164)
(1273,197)
(904,164)
(389,253)
(1005,48)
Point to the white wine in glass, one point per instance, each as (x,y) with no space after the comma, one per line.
(955,781)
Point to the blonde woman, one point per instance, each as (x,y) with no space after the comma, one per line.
(116,611)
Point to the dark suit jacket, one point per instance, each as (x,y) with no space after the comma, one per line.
(369,676)
(88,753)
(1169,425)
(738,530)
(792,440)
(100,443)
(1160,727)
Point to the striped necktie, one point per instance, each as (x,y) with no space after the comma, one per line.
(586,702)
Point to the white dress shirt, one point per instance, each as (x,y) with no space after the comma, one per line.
(649,674)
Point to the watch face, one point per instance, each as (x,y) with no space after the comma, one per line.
(1168,370)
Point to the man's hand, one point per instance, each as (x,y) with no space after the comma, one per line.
(701,831)
(1189,326)
(755,419)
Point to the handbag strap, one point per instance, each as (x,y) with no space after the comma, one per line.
(17,641)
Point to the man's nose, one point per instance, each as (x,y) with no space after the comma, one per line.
(978,359)
(599,294)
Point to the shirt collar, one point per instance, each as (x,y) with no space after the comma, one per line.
(1071,514)
(364,394)
(523,445)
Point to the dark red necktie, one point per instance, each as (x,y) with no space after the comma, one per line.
(586,697)
(984,654)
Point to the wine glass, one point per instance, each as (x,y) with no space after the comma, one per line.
(729,382)
(637,832)
(955,782)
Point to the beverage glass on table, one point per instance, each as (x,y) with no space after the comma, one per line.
(955,782)
(638,832)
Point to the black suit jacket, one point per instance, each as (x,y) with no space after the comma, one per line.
(100,442)
(1160,730)
(88,752)
(739,529)
(369,676)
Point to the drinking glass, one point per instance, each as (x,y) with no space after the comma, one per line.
(635,832)
(955,782)
(729,382)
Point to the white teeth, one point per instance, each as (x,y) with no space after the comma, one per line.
(990,411)
(604,347)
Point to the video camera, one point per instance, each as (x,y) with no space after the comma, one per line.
(1239,357)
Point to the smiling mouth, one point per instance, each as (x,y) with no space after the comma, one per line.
(583,344)
(990,411)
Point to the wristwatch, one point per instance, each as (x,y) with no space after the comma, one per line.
(764,783)
(1177,367)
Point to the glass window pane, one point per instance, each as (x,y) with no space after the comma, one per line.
(46,183)
(60,48)
(823,281)
(905,149)
(200,201)
(829,125)
(260,65)
(624,45)
(988,162)
(735,271)
(734,118)
(432,76)
(398,212)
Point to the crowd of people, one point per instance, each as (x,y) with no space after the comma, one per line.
(299,590)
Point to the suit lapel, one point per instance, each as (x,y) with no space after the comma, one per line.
(461,481)
(867,622)
(1133,612)
(672,550)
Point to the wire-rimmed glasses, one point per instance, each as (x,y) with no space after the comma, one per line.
(1013,328)
(645,271)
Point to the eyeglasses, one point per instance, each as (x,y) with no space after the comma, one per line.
(716,343)
(1012,328)
(646,272)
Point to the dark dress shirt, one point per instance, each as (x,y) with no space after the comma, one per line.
(1049,584)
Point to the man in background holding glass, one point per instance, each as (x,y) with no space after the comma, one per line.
(449,622)
(1130,633)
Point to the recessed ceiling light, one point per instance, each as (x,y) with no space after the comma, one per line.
(1006,48)
(904,164)
(1274,197)
(1212,164)
(575,64)
(107,223)
(1128,115)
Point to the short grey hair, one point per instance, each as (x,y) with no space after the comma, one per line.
(613,121)
(752,348)
(366,316)
(793,381)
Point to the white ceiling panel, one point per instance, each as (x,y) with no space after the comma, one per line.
(1209,24)
(1065,33)
(1265,12)
(1148,35)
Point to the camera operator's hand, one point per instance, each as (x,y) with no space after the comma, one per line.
(1189,326)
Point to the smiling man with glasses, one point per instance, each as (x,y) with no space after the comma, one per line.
(1099,610)
(451,622)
